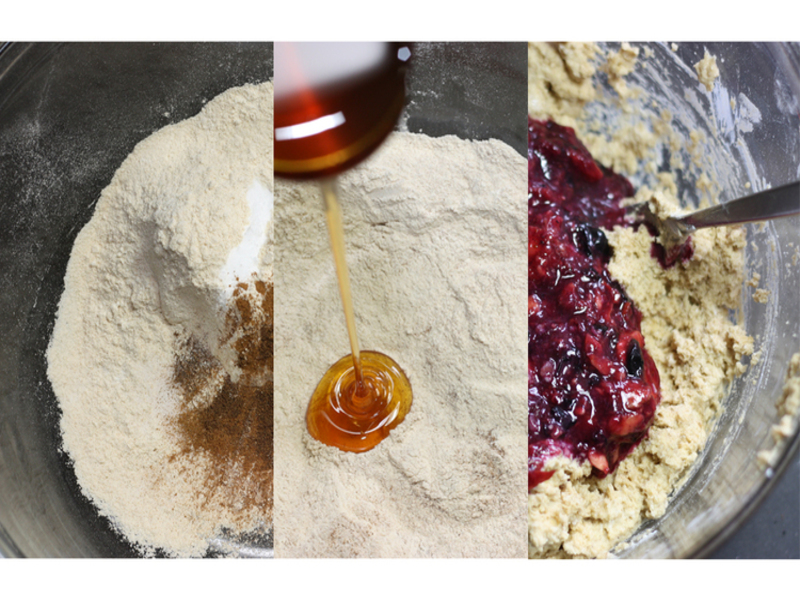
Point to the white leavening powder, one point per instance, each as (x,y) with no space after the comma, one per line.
(435,231)
(187,213)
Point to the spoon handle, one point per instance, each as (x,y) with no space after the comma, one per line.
(781,201)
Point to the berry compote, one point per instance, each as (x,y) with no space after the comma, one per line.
(592,387)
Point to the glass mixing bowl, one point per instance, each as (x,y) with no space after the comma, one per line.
(69,115)
(751,126)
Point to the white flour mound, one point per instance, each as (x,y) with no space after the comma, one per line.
(436,234)
(152,266)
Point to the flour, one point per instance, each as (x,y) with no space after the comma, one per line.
(436,236)
(155,266)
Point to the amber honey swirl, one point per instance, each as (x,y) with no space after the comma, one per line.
(362,397)
(357,418)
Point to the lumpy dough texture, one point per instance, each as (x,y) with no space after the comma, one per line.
(707,71)
(685,324)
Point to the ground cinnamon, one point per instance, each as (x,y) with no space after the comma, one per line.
(231,422)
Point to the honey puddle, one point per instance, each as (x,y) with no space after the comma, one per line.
(364,395)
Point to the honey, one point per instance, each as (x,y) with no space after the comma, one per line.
(334,104)
(356,416)
(324,126)
(364,395)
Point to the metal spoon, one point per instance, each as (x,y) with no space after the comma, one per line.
(782,201)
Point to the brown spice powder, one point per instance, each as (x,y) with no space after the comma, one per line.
(231,423)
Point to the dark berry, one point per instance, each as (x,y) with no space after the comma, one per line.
(634,362)
(593,242)
(676,254)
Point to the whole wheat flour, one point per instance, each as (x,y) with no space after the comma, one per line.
(685,321)
(436,236)
(165,306)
